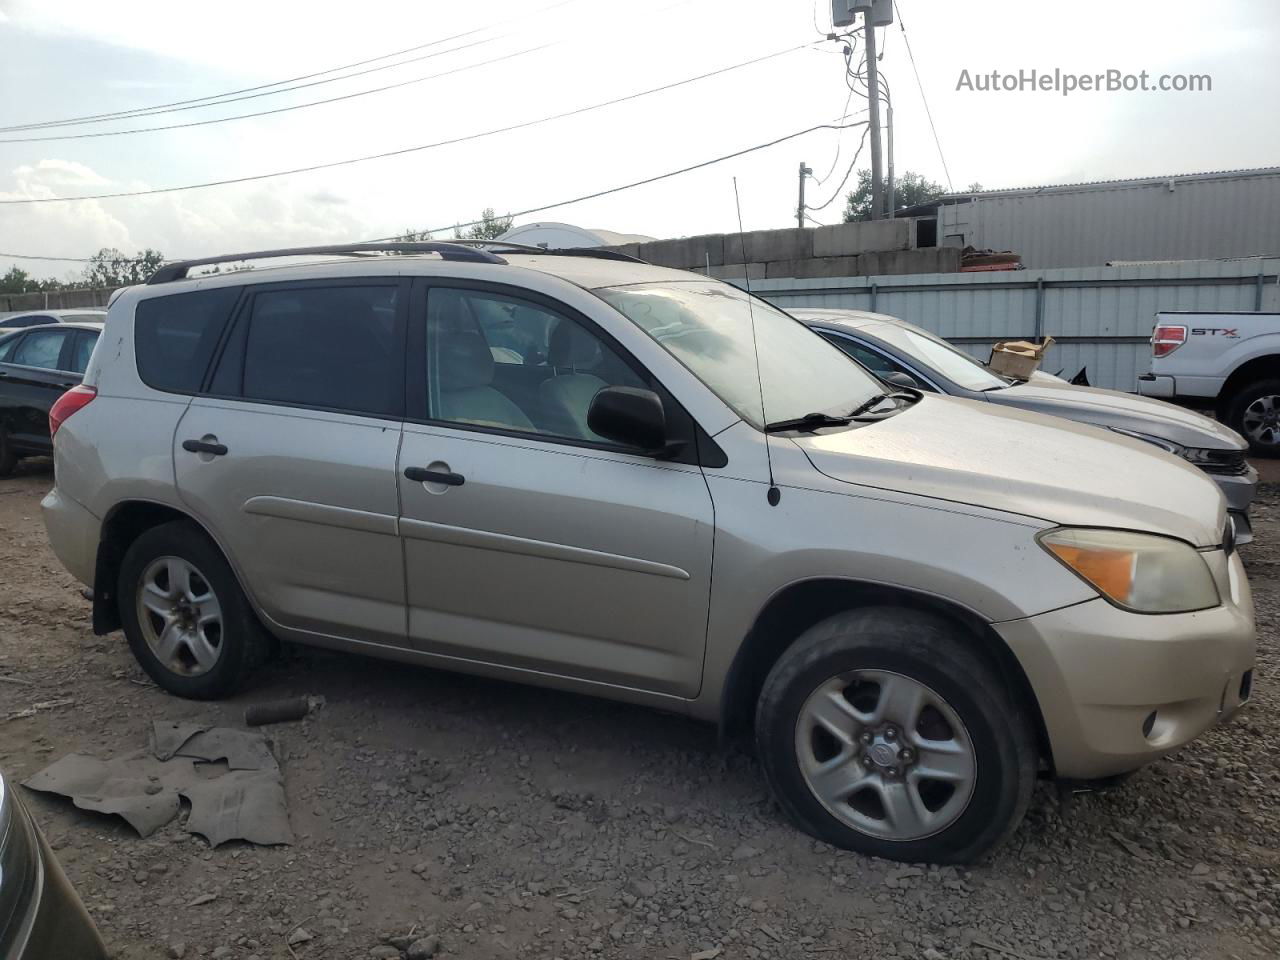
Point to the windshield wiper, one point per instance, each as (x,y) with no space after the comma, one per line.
(810,421)
(878,398)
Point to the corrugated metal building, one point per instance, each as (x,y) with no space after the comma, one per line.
(1235,213)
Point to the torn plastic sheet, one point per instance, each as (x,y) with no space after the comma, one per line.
(246,803)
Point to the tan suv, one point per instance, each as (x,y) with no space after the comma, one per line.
(582,471)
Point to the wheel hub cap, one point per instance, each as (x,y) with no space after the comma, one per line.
(1262,420)
(886,755)
(180,616)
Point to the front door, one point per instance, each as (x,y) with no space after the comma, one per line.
(529,541)
(289,454)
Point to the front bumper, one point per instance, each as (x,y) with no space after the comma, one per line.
(1100,673)
(54,921)
(1239,491)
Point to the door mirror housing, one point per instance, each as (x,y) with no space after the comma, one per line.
(900,379)
(630,416)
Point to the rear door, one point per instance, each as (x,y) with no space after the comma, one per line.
(289,454)
(543,547)
(35,372)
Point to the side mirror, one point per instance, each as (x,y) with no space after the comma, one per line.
(630,416)
(900,379)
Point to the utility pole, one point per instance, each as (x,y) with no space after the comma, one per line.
(890,189)
(873,115)
(804,172)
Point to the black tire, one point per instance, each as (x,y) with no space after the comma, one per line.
(1268,444)
(8,459)
(928,650)
(241,643)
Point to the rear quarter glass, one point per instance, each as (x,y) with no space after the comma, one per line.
(175,336)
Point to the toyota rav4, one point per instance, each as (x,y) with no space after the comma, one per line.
(579,470)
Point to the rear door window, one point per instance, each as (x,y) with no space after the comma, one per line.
(335,348)
(175,336)
(81,350)
(7,345)
(41,348)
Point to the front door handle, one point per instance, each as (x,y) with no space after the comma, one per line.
(205,446)
(423,475)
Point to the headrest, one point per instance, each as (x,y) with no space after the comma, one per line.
(465,361)
(571,346)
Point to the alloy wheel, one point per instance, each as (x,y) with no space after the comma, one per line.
(1262,420)
(885,755)
(180,616)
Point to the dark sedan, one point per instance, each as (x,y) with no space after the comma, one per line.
(40,915)
(37,365)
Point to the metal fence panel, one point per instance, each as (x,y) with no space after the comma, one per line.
(1100,316)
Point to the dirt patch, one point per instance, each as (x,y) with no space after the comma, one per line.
(440,814)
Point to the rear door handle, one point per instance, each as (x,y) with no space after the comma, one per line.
(204,446)
(423,475)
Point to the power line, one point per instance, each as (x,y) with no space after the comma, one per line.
(231,96)
(927,112)
(30,256)
(648,180)
(415,149)
(848,173)
(559,203)
(296,106)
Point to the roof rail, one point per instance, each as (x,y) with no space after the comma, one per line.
(597,253)
(448,251)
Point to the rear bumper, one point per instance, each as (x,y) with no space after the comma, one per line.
(1100,673)
(1153,385)
(73,534)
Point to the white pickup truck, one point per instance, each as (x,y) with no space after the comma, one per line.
(1227,361)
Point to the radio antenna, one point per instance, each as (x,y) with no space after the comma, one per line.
(774,494)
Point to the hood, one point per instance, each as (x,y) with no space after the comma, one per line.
(1110,408)
(967,451)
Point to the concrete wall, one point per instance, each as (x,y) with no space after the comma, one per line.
(54,300)
(1101,317)
(845,250)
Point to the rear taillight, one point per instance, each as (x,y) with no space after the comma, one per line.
(1167,338)
(74,399)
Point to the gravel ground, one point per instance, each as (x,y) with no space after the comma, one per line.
(448,816)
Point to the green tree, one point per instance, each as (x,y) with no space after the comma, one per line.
(17,281)
(908,190)
(490,227)
(111,268)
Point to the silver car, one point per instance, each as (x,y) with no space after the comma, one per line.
(590,473)
(887,346)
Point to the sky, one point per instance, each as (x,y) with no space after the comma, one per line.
(510,62)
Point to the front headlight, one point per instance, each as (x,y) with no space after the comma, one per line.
(1138,571)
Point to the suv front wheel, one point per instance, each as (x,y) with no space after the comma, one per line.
(881,731)
(188,622)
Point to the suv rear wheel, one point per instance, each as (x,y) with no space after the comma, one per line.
(880,731)
(189,624)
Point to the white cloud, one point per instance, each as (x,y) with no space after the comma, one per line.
(178,224)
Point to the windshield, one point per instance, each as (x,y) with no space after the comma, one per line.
(956,365)
(707,327)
